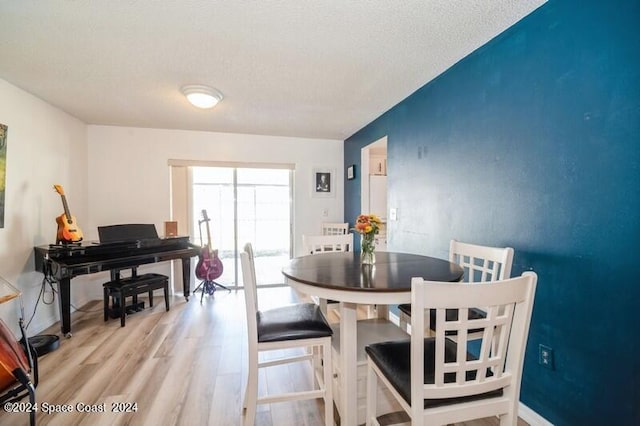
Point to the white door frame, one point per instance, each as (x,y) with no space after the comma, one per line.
(365,155)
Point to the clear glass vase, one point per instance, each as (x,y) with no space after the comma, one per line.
(367,249)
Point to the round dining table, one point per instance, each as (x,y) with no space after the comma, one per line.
(340,276)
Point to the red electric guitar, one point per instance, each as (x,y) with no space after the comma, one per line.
(209,266)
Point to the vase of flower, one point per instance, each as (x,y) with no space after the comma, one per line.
(367,226)
(368,249)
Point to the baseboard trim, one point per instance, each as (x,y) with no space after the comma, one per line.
(53,316)
(531,417)
(43,323)
(524,412)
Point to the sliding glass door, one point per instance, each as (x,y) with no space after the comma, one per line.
(244,205)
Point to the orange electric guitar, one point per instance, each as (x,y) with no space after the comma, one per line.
(68,230)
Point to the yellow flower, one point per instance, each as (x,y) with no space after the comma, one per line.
(367,224)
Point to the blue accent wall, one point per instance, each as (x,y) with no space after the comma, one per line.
(533,142)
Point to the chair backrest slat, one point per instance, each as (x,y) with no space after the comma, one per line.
(481,263)
(335,228)
(314,244)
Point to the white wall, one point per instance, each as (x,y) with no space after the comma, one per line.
(129,172)
(117,175)
(45,146)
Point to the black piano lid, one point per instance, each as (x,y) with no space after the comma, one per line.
(94,250)
(115,241)
(127,232)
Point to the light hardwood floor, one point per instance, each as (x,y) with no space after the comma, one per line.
(182,367)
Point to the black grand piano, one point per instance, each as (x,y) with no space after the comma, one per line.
(120,247)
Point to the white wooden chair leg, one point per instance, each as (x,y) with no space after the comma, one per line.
(251,394)
(511,417)
(372,311)
(250,411)
(316,365)
(403,321)
(372,394)
(508,420)
(246,393)
(328,384)
(244,398)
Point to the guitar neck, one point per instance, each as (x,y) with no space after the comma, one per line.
(209,238)
(66,208)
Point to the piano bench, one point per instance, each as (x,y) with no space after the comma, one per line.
(120,289)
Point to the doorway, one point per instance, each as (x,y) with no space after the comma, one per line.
(244,204)
(373,188)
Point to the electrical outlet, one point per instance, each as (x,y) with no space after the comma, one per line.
(393,214)
(545,356)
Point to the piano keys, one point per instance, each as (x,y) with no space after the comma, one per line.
(63,262)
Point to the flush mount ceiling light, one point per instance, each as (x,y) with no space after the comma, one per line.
(202,96)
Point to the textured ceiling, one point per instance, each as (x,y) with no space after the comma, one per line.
(304,68)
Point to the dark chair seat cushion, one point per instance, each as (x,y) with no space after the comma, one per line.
(451,314)
(405,308)
(301,321)
(394,360)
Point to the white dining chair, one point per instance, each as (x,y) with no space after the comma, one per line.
(315,244)
(335,228)
(289,327)
(435,379)
(480,264)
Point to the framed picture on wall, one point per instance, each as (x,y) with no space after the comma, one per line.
(323,181)
(351,172)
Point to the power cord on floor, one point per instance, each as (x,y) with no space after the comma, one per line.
(49,281)
(42,296)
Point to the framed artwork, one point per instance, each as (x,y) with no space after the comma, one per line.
(3,169)
(323,181)
(351,172)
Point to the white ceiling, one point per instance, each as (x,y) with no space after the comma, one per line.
(304,68)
